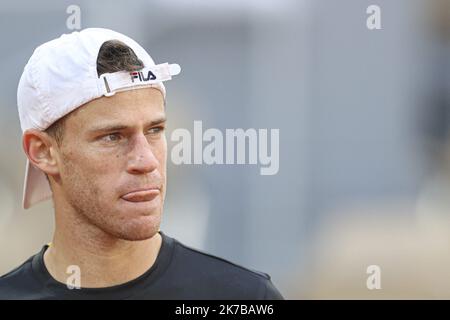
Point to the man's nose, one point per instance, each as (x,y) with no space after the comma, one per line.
(141,158)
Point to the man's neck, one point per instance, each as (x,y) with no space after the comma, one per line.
(103,260)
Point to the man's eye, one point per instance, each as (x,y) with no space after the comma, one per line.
(111,137)
(156,130)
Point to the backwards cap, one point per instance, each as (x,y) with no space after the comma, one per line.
(61,76)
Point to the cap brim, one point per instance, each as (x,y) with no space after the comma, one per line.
(36,187)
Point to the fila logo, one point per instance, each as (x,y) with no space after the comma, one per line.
(140,75)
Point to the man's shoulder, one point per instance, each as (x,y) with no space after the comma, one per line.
(215,272)
(17,272)
(17,280)
(218,263)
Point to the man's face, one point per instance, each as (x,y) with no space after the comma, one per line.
(113,147)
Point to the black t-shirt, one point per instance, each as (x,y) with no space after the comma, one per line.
(179,272)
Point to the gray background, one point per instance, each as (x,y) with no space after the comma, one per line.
(347,101)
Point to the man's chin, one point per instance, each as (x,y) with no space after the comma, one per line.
(140,228)
(137,236)
(141,237)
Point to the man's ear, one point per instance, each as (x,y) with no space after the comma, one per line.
(41,150)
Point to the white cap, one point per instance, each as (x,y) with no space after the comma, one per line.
(61,75)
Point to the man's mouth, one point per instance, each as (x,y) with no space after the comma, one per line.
(141,195)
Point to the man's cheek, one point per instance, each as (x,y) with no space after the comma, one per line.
(161,155)
(97,166)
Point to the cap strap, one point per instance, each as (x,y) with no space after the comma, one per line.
(110,83)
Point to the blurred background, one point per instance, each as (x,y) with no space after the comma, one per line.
(364,117)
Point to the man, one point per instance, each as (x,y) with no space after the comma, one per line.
(91,107)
